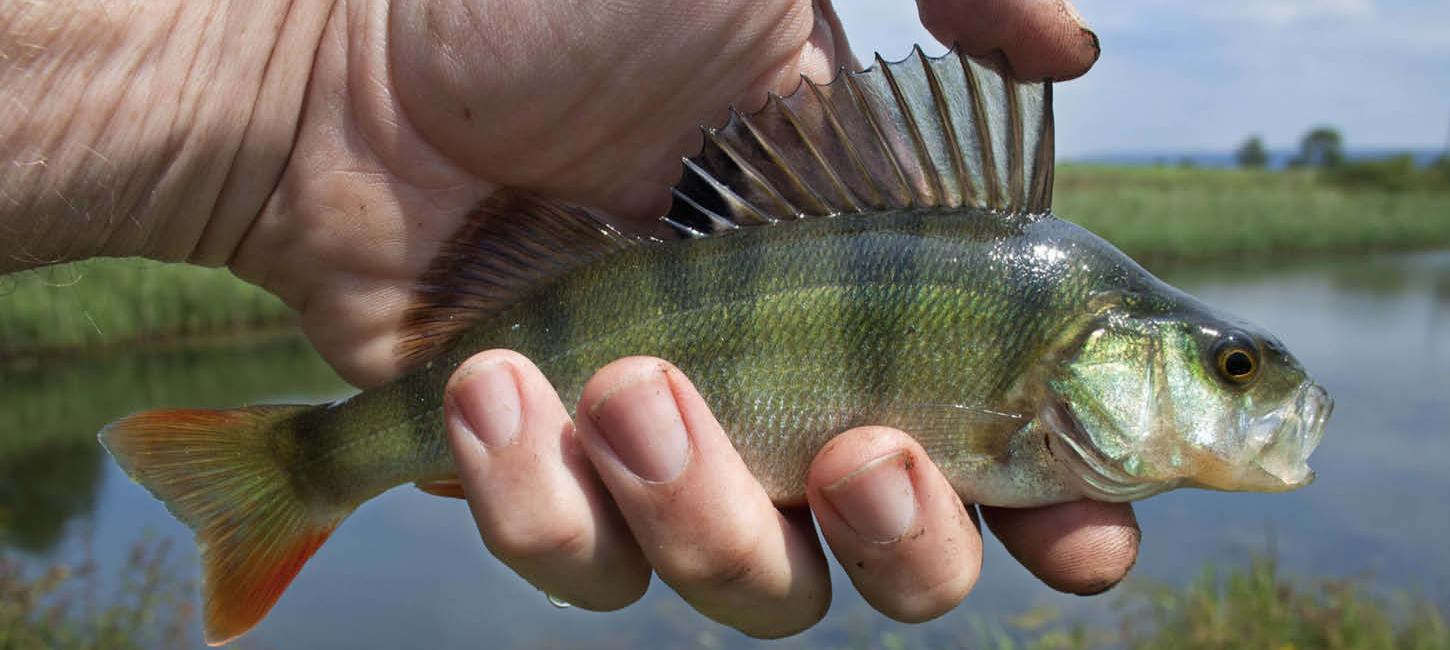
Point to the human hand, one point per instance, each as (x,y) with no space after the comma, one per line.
(416,111)
(411,115)
(646,479)
(689,509)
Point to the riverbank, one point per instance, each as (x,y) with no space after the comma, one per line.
(1245,606)
(1156,214)
(130,302)
(1173,214)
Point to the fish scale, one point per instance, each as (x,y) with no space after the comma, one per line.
(877,250)
(824,327)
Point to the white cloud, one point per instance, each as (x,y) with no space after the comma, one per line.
(1283,12)
(1178,76)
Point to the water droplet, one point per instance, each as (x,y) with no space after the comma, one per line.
(557,601)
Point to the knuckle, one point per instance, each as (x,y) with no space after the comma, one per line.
(532,543)
(937,599)
(726,563)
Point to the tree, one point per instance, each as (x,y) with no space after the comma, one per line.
(1440,170)
(1252,154)
(1321,147)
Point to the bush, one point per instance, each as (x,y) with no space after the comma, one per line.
(63,608)
(1396,173)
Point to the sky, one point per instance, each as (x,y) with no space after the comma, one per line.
(1178,76)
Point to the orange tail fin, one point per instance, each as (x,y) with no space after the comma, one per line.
(219,473)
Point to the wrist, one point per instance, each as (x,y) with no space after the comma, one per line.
(155,128)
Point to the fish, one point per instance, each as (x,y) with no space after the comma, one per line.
(879,249)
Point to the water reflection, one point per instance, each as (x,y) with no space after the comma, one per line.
(45,486)
(408,570)
(50,413)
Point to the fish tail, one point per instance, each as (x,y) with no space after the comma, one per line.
(224,474)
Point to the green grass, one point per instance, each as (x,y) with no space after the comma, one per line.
(1256,607)
(103,302)
(1250,606)
(1168,213)
(64,607)
(1152,213)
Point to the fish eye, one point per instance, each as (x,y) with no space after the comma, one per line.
(1237,359)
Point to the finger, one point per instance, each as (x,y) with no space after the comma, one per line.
(1082,547)
(539,507)
(702,519)
(826,51)
(894,523)
(1041,39)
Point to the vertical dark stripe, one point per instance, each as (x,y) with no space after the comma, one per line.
(547,324)
(729,270)
(881,269)
(736,277)
(676,282)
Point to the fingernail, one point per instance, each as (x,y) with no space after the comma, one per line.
(641,422)
(490,405)
(877,500)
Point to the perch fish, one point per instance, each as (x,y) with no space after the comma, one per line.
(876,250)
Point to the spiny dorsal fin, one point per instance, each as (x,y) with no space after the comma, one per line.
(921,132)
(514,241)
(918,133)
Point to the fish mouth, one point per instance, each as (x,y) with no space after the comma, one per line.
(1095,476)
(1292,433)
(1276,460)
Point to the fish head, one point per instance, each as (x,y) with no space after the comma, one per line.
(1183,397)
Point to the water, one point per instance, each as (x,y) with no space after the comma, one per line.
(408,569)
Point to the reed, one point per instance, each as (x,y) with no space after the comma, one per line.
(1176,214)
(105,302)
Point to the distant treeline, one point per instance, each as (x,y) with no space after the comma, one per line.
(1322,149)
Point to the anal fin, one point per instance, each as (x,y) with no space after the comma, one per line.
(442,488)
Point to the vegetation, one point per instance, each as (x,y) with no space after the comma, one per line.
(1257,607)
(1169,214)
(105,302)
(1321,147)
(151,606)
(66,607)
(1395,173)
(1252,154)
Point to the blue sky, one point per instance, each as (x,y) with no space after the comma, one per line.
(1179,76)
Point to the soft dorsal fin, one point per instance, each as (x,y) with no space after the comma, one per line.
(514,241)
(921,132)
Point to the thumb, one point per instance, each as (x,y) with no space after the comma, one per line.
(1041,39)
